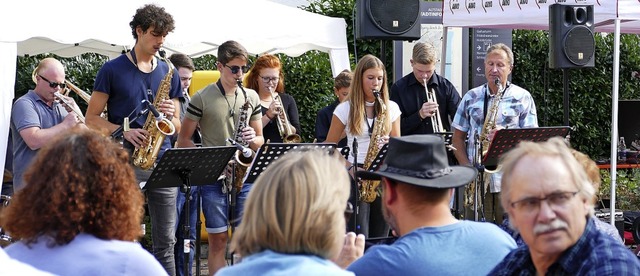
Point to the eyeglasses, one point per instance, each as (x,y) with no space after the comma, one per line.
(234,69)
(269,79)
(53,84)
(532,204)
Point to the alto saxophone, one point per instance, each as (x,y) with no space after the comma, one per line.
(368,188)
(243,158)
(145,156)
(287,134)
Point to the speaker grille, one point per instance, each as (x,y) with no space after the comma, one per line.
(394,16)
(579,45)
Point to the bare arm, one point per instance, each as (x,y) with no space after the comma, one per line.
(458,141)
(97,102)
(395,128)
(336,131)
(186,132)
(35,137)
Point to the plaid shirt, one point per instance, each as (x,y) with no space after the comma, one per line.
(594,253)
(516,110)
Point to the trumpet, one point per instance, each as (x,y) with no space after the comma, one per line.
(83,95)
(436,120)
(71,105)
(287,134)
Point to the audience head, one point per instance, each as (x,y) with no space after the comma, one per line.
(266,75)
(547,195)
(341,85)
(185,67)
(81,182)
(423,61)
(154,17)
(592,170)
(296,206)
(417,170)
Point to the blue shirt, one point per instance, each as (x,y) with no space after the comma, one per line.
(462,248)
(87,255)
(516,110)
(595,253)
(127,86)
(30,111)
(269,262)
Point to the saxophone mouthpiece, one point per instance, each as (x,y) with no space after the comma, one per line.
(239,81)
(497,81)
(376,93)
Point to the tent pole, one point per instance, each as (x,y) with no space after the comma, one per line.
(614,118)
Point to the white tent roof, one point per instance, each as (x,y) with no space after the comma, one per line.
(615,16)
(71,27)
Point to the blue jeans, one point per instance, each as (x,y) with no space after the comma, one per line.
(162,210)
(215,206)
(193,216)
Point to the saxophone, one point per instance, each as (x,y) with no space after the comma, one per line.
(146,156)
(243,158)
(368,188)
(287,134)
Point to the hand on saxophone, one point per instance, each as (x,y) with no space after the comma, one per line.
(428,109)
(248,134)
(137,137)
(382,141)
(167,108)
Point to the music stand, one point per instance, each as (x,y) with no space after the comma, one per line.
(180,167)
(374,166)
(270,152)
(506,139)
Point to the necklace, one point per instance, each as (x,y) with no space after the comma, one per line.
(232,111)
(369,103)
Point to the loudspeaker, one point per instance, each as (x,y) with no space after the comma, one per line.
(388,19)
(571,41)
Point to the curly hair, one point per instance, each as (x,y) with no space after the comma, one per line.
(152,16)
(265,61)
(79,183)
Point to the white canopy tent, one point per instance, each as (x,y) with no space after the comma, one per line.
(72,27)
(614,16)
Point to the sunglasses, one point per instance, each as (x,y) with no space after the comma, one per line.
(54,84)
(234,69)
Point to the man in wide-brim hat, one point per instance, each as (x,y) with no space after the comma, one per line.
(417,184)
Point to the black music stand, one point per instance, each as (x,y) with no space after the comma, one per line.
(270,152)
(181,167)
(374,166)
(506,139)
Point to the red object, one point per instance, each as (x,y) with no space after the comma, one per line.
(628,238)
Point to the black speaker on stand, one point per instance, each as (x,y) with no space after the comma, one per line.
(571,41)
(388,19)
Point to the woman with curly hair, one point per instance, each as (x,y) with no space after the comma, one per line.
(267,79)
(80,210)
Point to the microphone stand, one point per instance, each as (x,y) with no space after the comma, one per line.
(354,153)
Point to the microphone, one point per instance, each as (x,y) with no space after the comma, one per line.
(159,116)
(246,152)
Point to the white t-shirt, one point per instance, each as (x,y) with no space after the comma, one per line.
(342,112)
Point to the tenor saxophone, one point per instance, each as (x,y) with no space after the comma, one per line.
(241,157)
(144,157)
(368,188)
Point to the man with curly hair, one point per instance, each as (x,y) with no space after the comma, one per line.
(121,85)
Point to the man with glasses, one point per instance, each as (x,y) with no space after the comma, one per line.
(548,197)
(216,109)
(37,117)
(121,85)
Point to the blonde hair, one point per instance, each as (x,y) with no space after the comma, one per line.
(356,95)
(296,207)
(592,170)
(554,147)
(424,53)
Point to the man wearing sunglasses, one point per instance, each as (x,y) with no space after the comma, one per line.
(37,117)
(216,109)
(121,85)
